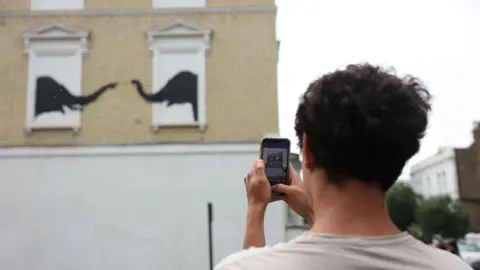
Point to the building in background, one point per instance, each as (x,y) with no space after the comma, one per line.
(121,120)
(469,179)
(436,175)
(295,224)
(454,172)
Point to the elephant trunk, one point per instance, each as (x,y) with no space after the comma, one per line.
(85,100)
(146,96)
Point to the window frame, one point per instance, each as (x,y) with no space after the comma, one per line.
(199,39)
(68,42)
(37,6)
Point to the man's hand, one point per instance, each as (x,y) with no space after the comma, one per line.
(259,191)
(296,196)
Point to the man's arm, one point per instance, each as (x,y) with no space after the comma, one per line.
(255,231)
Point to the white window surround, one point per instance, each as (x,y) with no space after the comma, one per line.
(177,3)
(58,40)
(56,32)
(195,39)
(57,4)
(179,29)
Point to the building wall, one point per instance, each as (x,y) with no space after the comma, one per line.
(135,4)
(295,224)
(241,82)
(241,3)
(469,180)
(436,175)
(472,208)
(132,207)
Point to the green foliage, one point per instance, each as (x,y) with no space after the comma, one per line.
(442,215)
(415,231)
(402,204)
(424,218)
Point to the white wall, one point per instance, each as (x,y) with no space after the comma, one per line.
(295,223)
(436,175)
(136,207)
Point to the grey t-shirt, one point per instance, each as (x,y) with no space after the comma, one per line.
(328,252)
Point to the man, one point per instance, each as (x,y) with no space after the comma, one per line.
(452,247)
(356,127)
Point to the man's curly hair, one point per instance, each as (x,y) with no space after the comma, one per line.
(363,122)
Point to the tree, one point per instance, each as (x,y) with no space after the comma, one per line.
(416,231)
(402,204)
(443,216)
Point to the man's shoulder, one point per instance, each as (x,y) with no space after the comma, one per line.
(446,259)
(334,252)
(419,255)
(245,256)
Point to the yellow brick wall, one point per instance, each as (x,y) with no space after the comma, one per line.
(241,79)
(14,4)
(118,4)
(240,2)
(132,4)
(123,4)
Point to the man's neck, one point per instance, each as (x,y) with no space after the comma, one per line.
(354,209)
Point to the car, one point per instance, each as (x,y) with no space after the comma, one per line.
(469,252)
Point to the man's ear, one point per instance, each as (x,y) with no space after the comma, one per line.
(308,158)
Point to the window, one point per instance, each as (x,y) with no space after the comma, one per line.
(439,183)
(54,76)
(428,190)
(177,3)
(57,4)
(442,182)
(178,96)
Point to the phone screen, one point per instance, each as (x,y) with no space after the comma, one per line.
(275,155)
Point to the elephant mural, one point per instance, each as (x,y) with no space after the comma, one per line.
(180,89)
(51,96)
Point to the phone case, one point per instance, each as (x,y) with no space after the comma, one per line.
(276,160)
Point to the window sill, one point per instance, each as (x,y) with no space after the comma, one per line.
(201,127)
(30,129)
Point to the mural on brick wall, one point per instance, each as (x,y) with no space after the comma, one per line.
(177,94)
(53,97)
(180,89)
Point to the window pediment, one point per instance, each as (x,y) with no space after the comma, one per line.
(179,28)
(56,32)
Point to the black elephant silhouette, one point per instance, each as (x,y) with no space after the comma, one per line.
(180,89)
(51,96)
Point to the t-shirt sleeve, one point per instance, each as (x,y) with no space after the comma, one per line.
(231,259)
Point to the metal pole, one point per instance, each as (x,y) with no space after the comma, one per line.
(210,241)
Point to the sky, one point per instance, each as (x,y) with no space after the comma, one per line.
(435,40)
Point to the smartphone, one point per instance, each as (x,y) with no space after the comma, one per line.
(275,153)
